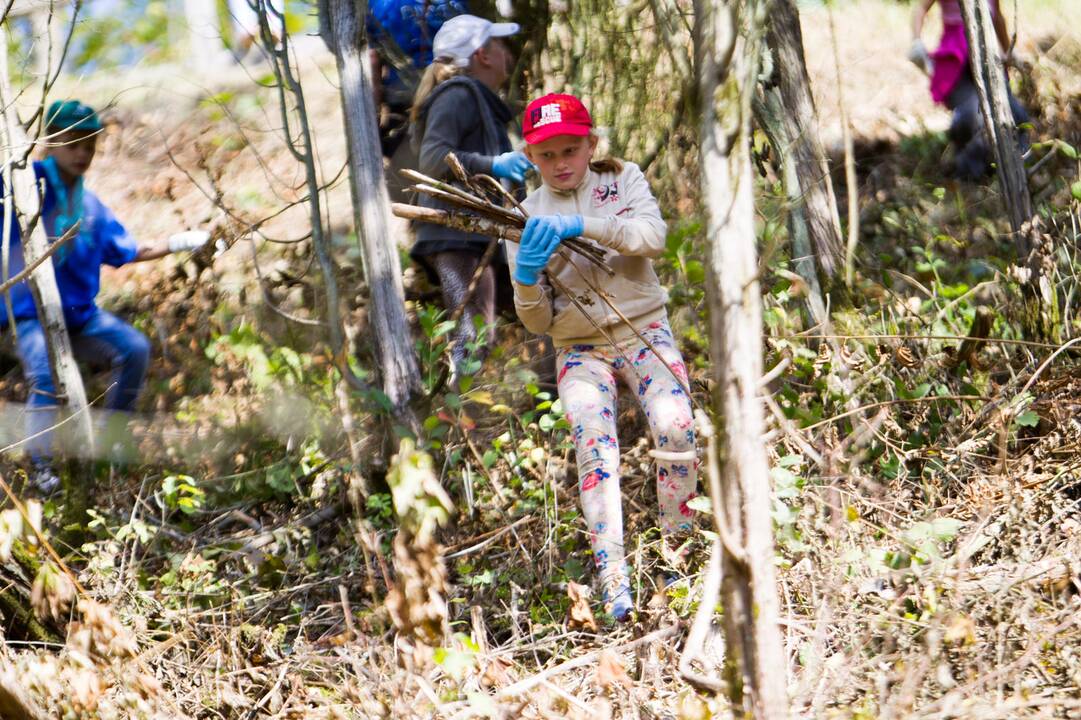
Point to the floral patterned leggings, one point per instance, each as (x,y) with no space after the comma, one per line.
(587,389)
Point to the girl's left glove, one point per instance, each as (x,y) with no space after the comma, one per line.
(540,239)
(565,226)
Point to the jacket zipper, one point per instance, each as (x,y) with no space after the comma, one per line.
(591,269)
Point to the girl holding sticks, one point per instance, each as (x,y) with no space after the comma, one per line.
(607,203)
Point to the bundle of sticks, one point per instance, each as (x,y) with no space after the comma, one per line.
(475,212)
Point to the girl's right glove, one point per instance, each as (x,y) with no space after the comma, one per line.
(511,166)
(540,239)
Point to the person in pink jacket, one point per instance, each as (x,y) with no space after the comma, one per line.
(609,204)
(952,84)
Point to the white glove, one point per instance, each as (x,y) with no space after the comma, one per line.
(188,240)
(917,55)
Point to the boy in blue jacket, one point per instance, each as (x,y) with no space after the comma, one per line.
(72,130)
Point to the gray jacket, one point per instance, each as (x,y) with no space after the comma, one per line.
(463,116)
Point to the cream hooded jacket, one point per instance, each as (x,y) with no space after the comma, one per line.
(622,218)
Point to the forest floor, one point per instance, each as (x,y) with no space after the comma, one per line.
(926,510)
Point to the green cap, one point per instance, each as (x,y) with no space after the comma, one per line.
(72,115)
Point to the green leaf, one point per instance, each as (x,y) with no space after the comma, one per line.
(784,515)
(790,460)
(1029,418)
(696,272)
(442,329)
(786,483)
(222,98)
(919,391)
(1075,190)
(482,578)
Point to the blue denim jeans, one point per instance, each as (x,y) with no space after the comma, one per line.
(106,340)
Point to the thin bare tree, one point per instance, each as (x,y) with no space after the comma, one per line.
(390,333)
(785,108)
(22,204)
(342,28)
(727,67)
(990,78)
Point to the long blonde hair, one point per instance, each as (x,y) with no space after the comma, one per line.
(441,70)
(606,164)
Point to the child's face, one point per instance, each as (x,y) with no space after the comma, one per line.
(563,160)
(74,151)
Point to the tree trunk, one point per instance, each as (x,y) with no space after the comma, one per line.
(342,28)
(1035,250)
(809,186)
(770,113)
(204,33)
(990,78)
(21,189)
(756,664)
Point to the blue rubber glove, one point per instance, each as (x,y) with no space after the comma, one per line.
(566,226)
(539,241)
(511,166)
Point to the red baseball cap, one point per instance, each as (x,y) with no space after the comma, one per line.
(555,114)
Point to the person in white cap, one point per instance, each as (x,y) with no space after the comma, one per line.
(457,110)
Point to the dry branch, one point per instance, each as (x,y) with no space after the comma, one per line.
(309,522)
(456,196)
(34,264)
